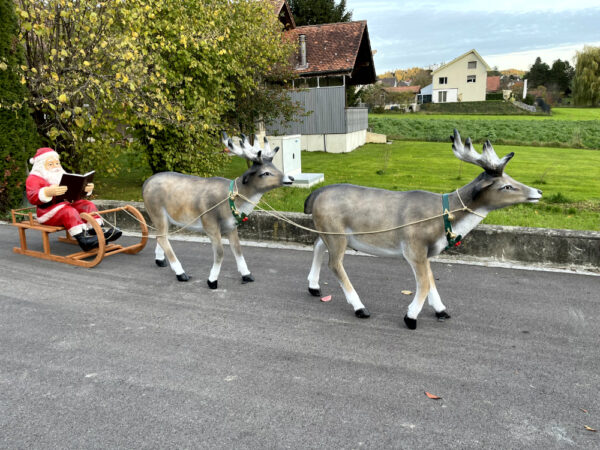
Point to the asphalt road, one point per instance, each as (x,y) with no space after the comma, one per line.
(123,355)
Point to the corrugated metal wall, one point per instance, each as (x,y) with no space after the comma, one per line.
(329,115)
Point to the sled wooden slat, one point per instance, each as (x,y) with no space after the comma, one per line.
(24,220)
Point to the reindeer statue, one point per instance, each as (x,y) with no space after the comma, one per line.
(414,224)
(211,205)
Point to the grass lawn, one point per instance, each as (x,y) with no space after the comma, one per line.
(570,179)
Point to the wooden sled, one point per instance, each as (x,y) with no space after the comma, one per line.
(80,258)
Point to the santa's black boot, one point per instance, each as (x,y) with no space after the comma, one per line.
(110,234)
(86,242)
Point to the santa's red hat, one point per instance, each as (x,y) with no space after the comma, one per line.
(42,154)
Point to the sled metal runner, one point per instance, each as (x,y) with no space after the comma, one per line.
(24,220)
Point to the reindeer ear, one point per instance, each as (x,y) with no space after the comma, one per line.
(486,181)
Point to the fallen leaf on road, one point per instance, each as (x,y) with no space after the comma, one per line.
(589,428)
(584,410)
(407,292)
(326,299)
(432,396)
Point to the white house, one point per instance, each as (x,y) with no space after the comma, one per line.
(463,79)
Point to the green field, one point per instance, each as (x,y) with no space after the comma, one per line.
(570,179)
(572,114)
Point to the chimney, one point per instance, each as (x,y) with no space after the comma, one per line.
(302,41)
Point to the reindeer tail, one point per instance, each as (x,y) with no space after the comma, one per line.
(310,200)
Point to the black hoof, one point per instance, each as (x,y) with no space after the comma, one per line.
(183,277)
(247,278)
(212,284)
(442,315)
(161,262)
(362,313)
(411,324)
(314,292)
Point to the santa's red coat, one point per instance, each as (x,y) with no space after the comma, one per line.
(64,214)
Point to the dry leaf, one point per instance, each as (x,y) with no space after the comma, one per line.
(407,292)
(326,299)
(589,428)
(432,396)
(584,410)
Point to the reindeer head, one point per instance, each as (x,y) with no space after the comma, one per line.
(493,189)
(262,174)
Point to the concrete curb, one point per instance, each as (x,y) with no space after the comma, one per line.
(565,248)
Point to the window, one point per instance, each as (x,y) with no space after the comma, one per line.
(470,78)
(442,96)
(443,80)
(472,65)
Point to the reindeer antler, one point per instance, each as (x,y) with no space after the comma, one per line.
(247,151)
(487,160)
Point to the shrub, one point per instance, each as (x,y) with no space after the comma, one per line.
(18,136)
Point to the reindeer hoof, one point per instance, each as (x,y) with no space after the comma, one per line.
(411,324)
(161,262)
(362,313)
(314,292)
(183,277)
(212,284)
(442,315)
(247,278)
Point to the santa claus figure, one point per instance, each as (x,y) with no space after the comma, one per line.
(42,187)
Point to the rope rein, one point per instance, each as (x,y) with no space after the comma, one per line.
(272,212)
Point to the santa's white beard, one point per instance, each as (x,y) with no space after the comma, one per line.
(52,176)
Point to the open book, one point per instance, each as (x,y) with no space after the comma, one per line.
(75,185)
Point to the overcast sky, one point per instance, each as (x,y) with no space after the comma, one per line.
(509,34)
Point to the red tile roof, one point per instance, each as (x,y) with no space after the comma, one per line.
(335,48)
(399,89)
(493,84)
(282,9)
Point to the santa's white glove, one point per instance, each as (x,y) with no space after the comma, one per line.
(54,190)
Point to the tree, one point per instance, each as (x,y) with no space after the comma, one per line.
(422,78)
(101,72)
(538,74)
(314,12)
(18,136)
(586,83)
(561,74)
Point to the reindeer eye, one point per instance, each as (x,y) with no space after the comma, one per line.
(508,187)
(265,174)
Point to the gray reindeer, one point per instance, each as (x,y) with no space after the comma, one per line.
(345,211)
(210,205)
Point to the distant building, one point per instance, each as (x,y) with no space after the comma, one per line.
(493,84)
(463,79)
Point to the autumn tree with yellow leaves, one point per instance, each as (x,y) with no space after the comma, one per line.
(106,75)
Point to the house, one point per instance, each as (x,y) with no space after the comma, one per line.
(410,96)
(463,79)
(493,84)
(330,59)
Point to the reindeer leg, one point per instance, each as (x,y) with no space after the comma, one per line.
(434,299)
(337,246)
(217,245)
(164,244)
(421,269)
(236,249)
(315,269)
(159,256)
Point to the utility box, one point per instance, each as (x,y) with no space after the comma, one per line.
(289,160)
